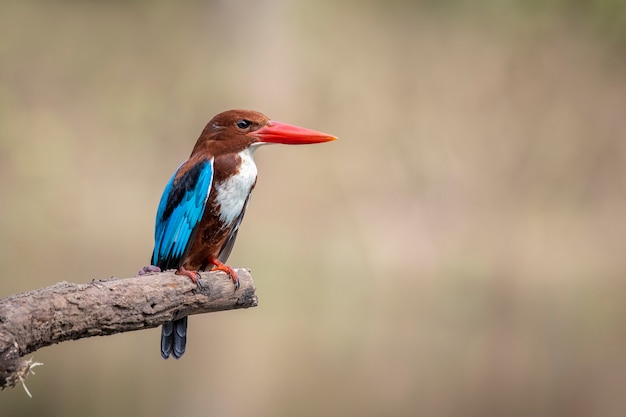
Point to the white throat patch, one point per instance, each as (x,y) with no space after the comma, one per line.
(232,193)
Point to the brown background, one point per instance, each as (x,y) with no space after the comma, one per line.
(460,251)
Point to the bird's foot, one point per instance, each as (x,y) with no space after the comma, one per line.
(194,276)
(219,266)
(148,270)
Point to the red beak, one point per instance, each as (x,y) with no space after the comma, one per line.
(277,132)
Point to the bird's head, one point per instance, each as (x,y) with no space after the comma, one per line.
(235,130)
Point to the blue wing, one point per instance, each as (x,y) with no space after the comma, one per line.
(181,208)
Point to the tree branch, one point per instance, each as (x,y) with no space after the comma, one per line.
(67,311)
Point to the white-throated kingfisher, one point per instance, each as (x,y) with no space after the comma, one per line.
(204,202)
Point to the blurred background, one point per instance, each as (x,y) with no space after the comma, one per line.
(458,252)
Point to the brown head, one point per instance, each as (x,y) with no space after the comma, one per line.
(235,130)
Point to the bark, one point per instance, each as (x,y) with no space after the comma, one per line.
(67,311)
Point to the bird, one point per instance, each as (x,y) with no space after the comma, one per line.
(204,202)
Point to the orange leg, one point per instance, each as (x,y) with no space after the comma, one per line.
(219,266)
(194,276)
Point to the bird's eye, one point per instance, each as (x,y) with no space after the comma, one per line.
(243,124)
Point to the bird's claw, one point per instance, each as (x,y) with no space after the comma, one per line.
(198,282)
(219,266)
(194,276)
(231,274)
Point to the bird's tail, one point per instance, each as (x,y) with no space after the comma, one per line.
(174,338)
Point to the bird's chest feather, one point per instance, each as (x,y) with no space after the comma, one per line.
(235,178)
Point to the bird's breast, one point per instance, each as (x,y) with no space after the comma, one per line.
(234,188)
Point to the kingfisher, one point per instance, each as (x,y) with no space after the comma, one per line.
(204,202)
